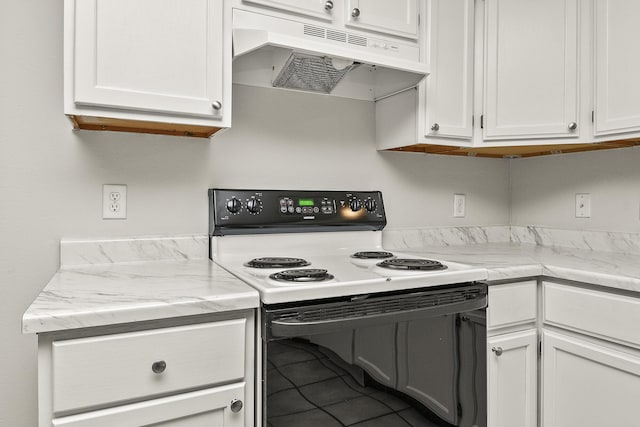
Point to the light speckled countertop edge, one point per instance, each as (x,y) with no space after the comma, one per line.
(110,290)
(110,294)
(514,261)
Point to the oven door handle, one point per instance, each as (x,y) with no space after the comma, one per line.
(284,328)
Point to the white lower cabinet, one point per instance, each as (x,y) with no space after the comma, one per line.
(179,376)
(587,384)
(512,354)
(512,367)
(591,357)
(202,408)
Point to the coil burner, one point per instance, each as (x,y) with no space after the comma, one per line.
(277,262)
(302,275)
(412,264)
(372,255)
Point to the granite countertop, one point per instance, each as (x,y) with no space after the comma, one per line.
(108,293)
(600,258)
(507,261)
(112,282)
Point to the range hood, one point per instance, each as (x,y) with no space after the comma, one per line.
(274,52)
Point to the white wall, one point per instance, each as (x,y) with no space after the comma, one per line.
(329,143)
(543,190)
(51,177)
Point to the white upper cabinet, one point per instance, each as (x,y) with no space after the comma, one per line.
(155,60)
(398,17)
(449,108)
(321,9)
(617,109)
(531,69)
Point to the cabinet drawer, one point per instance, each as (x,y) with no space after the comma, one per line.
(512,304)
(209,407)
(115,368)
(601,314)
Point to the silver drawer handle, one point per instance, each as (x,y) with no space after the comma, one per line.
(435,127)
(236,405)
(355,12)
(497,350)
(328,5)
(216,105)
(159,367)
(573,126)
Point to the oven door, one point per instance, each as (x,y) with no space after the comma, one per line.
(397,359)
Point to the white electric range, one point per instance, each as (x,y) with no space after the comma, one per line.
(332,294)
(308,245)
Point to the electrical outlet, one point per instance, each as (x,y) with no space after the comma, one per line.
(583,205)
(114,201)
(459,205)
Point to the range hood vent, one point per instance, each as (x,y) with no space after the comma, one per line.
(276,52)
(312,73)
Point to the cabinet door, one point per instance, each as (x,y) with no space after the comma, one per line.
(150,55)
(616,79)
(374,351)
(588,385)
(208,407)
(398,18)
(450,85)
(315,8)
(531,69)
(428,364)
(512,379)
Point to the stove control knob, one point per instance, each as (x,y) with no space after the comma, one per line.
(253,205)
(355,205)
(370,205)
(234,205)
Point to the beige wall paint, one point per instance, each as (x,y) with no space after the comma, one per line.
(51,177)
(543,190)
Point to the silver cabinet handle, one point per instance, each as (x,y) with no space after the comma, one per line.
(497,350)
(236,405)
(159,367)
(328,5)
(355,12)
(217,105)
(573,126)
(435,127)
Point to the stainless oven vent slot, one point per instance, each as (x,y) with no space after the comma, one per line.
(328,317)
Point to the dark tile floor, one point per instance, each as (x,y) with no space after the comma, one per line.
(307,389)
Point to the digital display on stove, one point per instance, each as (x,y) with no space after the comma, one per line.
(306,202)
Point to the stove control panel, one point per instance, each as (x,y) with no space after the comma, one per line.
(290,211)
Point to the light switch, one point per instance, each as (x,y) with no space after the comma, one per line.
(583,205)
(458,205)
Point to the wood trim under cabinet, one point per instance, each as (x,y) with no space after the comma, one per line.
(140,126)
(516,151)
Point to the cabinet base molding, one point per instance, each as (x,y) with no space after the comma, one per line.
(140,126)
(517,151)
